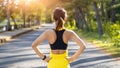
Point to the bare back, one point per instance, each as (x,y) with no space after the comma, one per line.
(52,38)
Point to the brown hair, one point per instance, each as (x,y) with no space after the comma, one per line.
(59,16)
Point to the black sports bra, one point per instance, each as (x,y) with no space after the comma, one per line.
(59,44)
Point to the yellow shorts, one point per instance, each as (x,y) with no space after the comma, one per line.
(58,60)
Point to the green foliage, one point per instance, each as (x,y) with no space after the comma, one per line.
(70,24)
(2,14)
(115,33)
(1,19)
(93,25)
(105,41)
(48,19)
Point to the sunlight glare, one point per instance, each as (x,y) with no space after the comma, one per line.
(16,2)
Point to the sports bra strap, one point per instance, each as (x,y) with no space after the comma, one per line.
(59,43)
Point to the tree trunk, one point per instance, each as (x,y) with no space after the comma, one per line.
(15,25)
(106,12)
(38,20)
(100,31)
(28,20)
(76,17)
(8,27)
(89,18)
(77,20)
(38,16)
(23,16)
(102,8)
(83,19)
(113,12)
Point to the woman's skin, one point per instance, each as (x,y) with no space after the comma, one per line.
(51,37)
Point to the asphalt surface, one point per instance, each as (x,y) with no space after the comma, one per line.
(19,54)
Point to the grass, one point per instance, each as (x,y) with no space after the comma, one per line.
(104,42)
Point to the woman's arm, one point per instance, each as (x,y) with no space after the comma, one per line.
(40,39)
(81,44)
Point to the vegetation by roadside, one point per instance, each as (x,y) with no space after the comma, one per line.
(110,41)
(104,42)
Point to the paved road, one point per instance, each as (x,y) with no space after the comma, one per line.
(19,54)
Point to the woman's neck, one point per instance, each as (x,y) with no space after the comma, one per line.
(59,29)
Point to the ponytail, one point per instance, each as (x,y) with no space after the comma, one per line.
(59,15)
(59,23)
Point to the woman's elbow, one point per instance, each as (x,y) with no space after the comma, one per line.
(33,46)
(83,47)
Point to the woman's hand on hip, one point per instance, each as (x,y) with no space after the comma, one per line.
(70,59)
(47,59)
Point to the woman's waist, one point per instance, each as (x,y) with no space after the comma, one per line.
(59,55)
(58,51)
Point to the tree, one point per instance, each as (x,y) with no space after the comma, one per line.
(113,12)
(100,31)
(77,19)
(82,16)
(2,11)
(79,10)
(8,15)
(22,6)
(13,13)
(102,8)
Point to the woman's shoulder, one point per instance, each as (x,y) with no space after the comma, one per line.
(69,31)
(48,31)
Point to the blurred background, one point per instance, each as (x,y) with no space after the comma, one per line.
(98,21)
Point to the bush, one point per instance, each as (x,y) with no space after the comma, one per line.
(115,34)
(70,24)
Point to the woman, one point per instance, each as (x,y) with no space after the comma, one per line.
(58,39)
